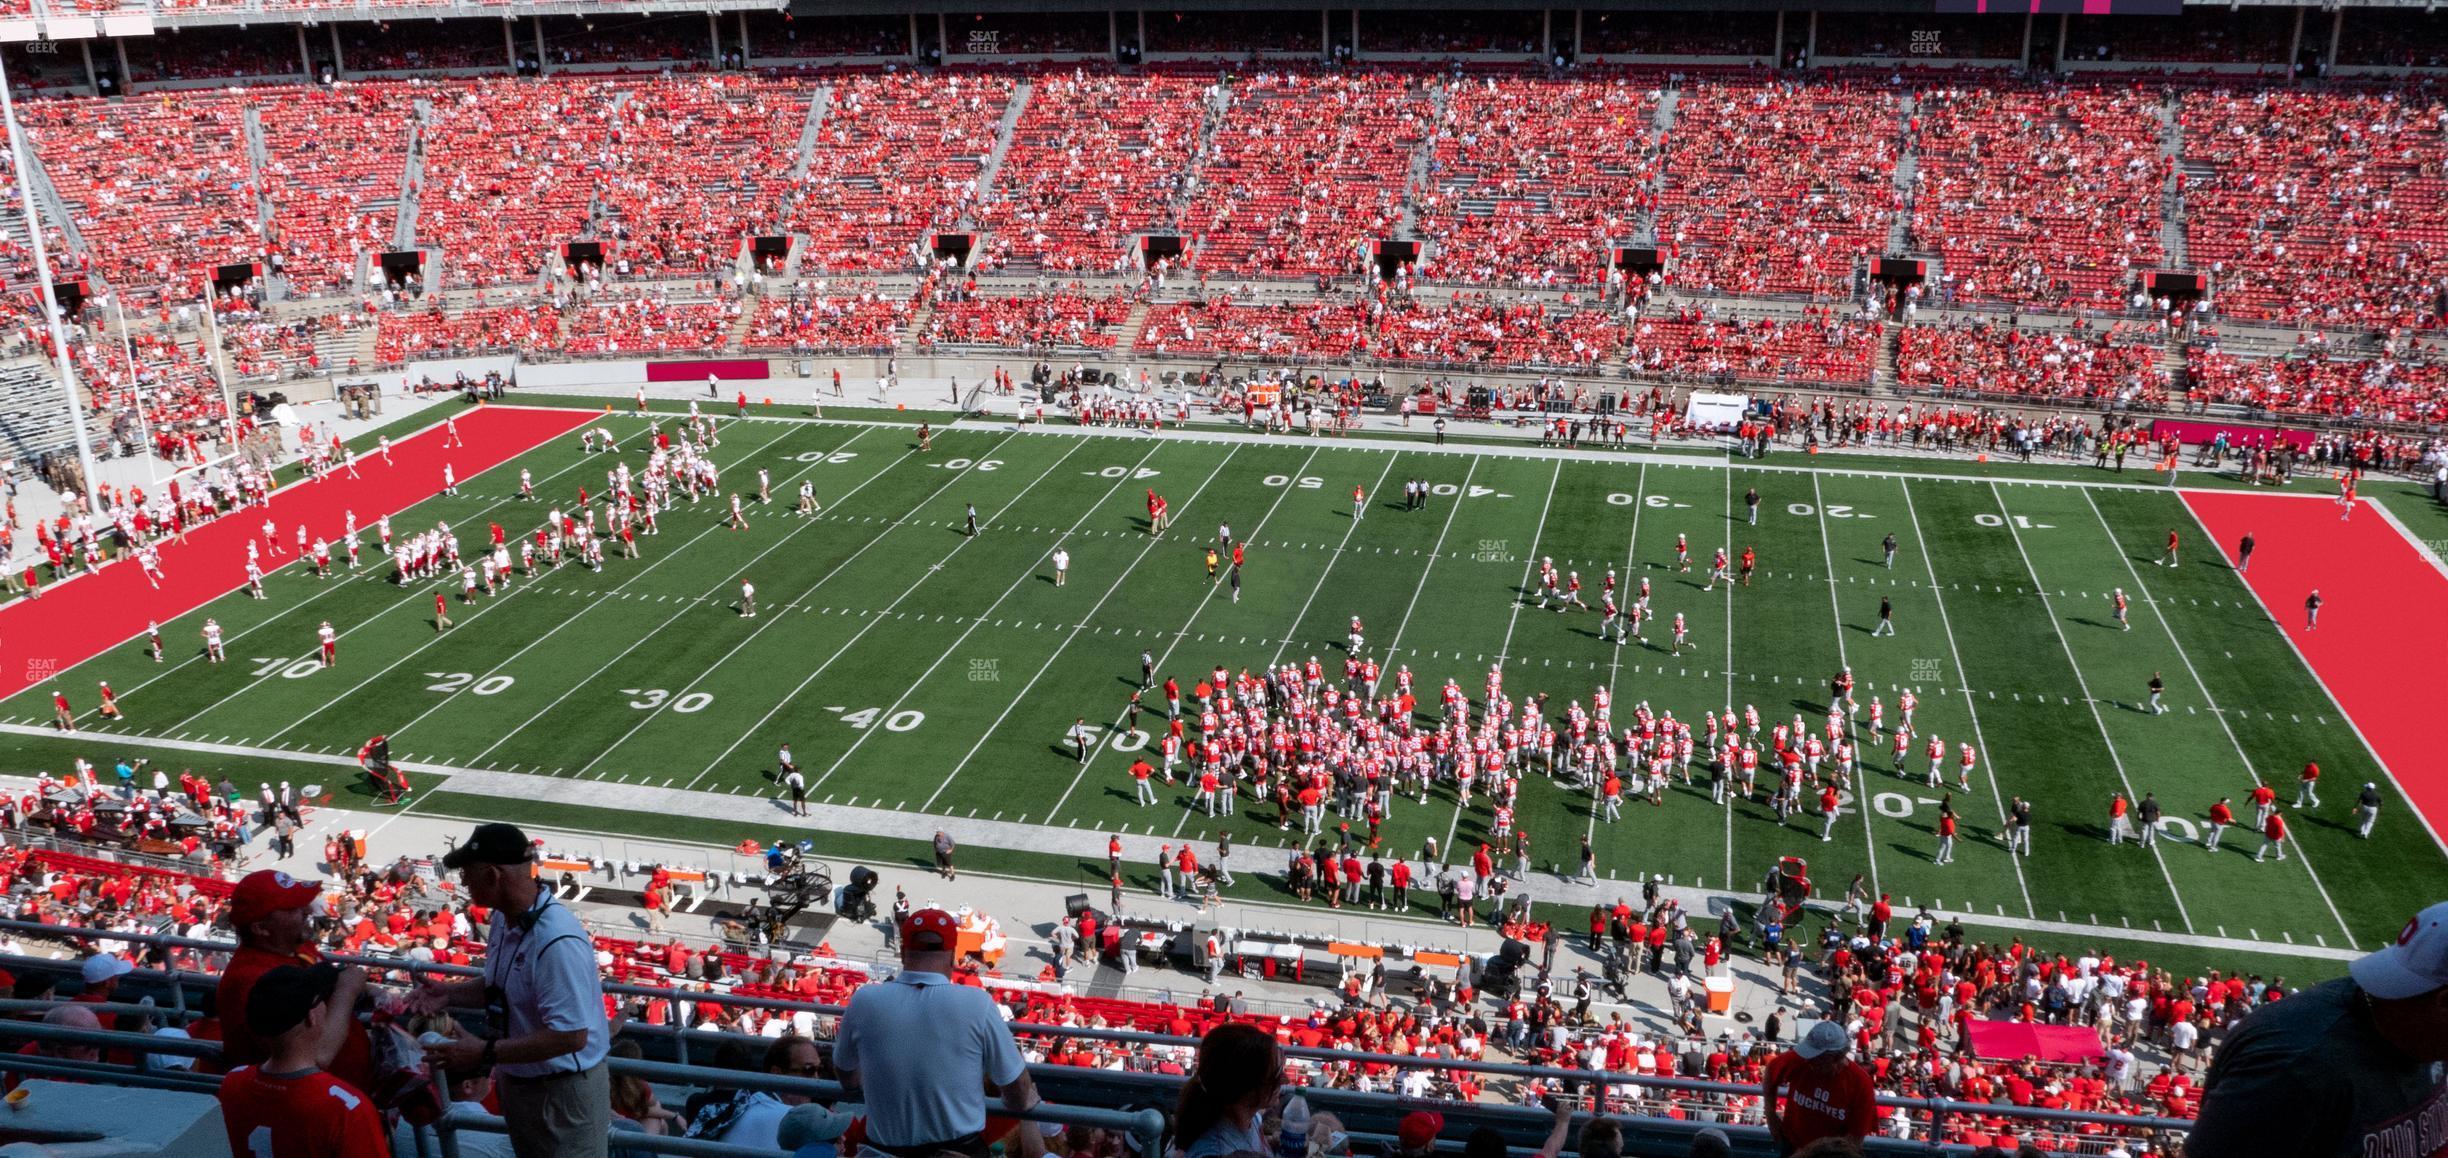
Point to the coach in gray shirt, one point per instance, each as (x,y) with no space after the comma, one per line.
(545,1001)
(921,1050)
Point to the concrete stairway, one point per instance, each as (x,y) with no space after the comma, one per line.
(993,163)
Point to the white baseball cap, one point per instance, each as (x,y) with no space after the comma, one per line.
(1824,1038)
(2415,965)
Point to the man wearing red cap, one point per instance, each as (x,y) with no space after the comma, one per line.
(269,910)
(920,1050)
(1417,1134)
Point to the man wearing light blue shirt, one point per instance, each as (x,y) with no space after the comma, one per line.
(545,1000)
(920,1050)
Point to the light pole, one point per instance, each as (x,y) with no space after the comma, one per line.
(144,426)
(50,300)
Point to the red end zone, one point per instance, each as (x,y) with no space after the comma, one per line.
(2369,577)
(75,621)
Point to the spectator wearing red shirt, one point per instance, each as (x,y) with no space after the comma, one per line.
(288,1106)
(1824,1094)
(269,911)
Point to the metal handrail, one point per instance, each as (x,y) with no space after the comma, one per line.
(463,1116)
(113,1074)
(1146,1124)
(1938,1109)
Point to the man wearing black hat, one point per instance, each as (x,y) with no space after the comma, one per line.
(544,996)
(289,1105)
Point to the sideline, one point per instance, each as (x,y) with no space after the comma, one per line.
(1085,843)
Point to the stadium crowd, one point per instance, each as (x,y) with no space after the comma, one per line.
(2033,194)
(1903,990)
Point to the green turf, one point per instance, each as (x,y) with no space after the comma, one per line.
(913,667)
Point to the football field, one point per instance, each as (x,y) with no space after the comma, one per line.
(914,667)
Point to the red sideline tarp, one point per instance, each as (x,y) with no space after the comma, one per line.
(744,369)
(2014,1041)
(2195,433)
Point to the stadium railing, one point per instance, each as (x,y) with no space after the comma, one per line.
(1143,1123)
(1522,1123)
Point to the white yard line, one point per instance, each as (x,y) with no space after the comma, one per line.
(685,607)
(1331,560)
(1174,639)
(1947,626)
(1394,644)
(1085,619)
(2211,702)
(1726,528)
(1435,551)
(1521,595)
(505,661)
(1861,786)
(2084,687)
(870,625)
(951,478)
(979,620)
(2420,547)
(416,602)
(1640,482)
(369,574)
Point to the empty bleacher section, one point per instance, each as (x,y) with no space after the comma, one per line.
(33,422)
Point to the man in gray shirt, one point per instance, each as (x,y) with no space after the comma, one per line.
(2348,1068)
